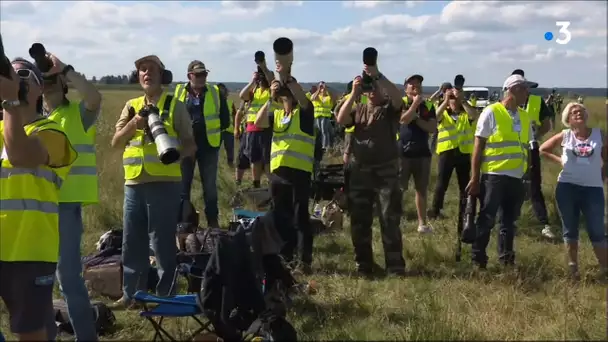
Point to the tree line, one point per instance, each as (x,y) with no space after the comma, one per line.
(116,79)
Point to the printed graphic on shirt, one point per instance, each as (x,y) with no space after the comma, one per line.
(583,150)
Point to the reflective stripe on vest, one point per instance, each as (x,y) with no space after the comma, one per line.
(140,152)
(211,111)
(323,106)
(29,197)
(506,149)
(455,134)
(290,146)
(533,108)
(363,101)
(260,97)
(81,185)
(230,128)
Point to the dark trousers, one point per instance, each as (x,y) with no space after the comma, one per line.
(448,162)
(290,197)
(504,193)
(536,194)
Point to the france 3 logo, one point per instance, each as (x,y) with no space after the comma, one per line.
(564,33)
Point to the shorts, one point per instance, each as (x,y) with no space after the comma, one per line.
(258,147)
(243,162)
(420,169)
(26,287)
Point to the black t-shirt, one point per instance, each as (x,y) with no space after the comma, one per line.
(414,141)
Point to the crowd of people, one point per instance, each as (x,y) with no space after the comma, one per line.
(48,170)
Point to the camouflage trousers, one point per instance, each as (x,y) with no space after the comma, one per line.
(376,186)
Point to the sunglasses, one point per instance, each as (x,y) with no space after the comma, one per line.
(26,74)
(200,74)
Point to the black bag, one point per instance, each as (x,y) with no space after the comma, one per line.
(104,317)
(271,328)
(326,181)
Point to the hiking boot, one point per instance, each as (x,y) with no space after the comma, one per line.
(397,272)
(547,232)
(369,271)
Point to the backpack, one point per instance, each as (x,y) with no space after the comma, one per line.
(271,328)
(104,317)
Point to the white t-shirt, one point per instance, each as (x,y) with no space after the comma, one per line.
(582,160)
(486,126)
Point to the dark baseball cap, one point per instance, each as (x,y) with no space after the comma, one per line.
(29,66)
(446,85)
(520,72)
(413,77)
(196,67)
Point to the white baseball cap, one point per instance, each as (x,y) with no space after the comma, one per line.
(514,80)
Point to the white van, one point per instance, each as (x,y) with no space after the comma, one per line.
(481,93)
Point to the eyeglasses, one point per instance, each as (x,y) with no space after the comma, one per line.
(199,74)
(26,74)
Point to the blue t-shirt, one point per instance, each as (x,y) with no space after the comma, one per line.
(413,140)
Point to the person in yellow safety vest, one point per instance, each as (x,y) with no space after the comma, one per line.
(291,165)
(257,93)
(473,100)
(35,159)
(210,115)
(323,101)
(454,145)
(498,165)
(436,99)
(417,123)
(313,89)
(541,117)
(152,189)
(228,133)
(77,118)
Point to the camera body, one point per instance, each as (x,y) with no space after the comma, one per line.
(370,58)
(166,147)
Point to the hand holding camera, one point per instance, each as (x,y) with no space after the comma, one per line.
(356,86)
(371,71)
(274,89)
(140,121)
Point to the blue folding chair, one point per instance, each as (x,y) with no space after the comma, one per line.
(174,307)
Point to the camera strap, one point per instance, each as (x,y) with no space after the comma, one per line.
(164,116)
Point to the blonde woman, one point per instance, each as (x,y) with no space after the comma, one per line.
(579,187)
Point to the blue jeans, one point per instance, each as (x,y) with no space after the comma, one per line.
(150,213)
(572,200)
(228,141)
(207,159)
(324,127)
(69,275)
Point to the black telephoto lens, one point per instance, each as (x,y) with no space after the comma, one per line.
(282,46)
(38,53)
(458,81)
(370,56)
(259,56)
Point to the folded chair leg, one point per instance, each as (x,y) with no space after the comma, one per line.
(159,330)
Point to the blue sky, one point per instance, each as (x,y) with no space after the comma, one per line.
(483,40)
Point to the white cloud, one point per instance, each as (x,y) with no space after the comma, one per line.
(482,39)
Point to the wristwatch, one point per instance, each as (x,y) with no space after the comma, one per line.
(6,104)
(67,69)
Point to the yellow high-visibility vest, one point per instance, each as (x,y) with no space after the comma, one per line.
(260,97)
(506,149)
(29,204)
(455,134)
(308,95)
(473,102)
(533,108)
(140,153)
(211,111)
(323,106)
(230,128)
(291,147)
(81,185)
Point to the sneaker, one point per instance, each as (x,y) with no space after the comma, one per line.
(546,232)
(425,229)
(125,304)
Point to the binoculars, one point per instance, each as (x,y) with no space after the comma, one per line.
(370,57)
(166,147)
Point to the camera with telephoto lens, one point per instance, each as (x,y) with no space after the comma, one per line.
(166,147)
(5,71)
(283,54)
(260,57)
(370,57)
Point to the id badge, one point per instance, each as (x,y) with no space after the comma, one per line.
(286,120)
(582,161)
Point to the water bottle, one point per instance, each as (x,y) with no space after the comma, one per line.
(317,211)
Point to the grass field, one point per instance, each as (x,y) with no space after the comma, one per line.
(444,301)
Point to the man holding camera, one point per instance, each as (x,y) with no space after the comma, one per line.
(541,117)
(210,115)
(258,138)
(417,122)
(35,160)
(374,175)
(499,162)
(77,118)
(152,189)
(291,166)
